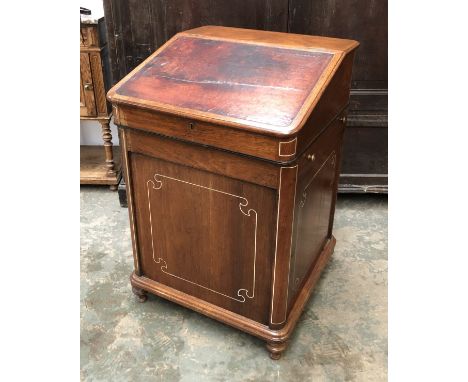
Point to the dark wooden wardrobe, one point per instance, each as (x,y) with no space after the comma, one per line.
(137,28)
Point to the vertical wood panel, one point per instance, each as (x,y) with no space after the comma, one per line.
(365,21)
(112,17)
(138,27)
(141,25)
(282,260)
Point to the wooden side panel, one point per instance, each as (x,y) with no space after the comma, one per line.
(332,102)
(315,203)
(313,218)
(204,234)
(87,101)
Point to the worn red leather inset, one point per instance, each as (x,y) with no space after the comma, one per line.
(254,83)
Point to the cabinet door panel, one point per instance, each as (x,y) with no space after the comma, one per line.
(315,195)
(207,235)
(87,101)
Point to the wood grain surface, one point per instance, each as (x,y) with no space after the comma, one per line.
(93,167)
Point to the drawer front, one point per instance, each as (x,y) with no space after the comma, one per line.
(316,154)
(227,138)
(204,158)
(205,234)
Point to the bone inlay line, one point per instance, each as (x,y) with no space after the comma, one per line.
(276,247)
(157,185)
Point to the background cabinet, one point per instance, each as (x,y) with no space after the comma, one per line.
(97,163)
(137,28)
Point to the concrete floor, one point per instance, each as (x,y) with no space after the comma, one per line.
(342,335)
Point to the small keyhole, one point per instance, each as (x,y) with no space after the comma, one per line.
(190,125)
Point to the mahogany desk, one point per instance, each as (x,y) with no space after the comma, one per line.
(231,140)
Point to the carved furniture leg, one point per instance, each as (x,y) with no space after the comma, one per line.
(276,349)
(107,138)
(140,293)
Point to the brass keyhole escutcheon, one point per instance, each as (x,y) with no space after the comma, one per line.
(191,125)
(311,157)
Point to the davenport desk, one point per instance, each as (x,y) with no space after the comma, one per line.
(231,140)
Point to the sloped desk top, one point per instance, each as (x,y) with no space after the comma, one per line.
(262,81)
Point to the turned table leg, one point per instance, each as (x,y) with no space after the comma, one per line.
(276,349)
(140,293)
(107,138)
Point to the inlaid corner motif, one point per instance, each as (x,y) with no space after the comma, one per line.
(156,184)
(287,149)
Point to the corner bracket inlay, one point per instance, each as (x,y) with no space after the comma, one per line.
(157,184)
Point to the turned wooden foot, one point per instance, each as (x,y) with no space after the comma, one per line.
(113,187)
(276,349)
(140,293)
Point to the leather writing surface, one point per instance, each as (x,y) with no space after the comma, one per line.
(249,82)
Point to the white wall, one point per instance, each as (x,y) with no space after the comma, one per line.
(90,131)
(96,7)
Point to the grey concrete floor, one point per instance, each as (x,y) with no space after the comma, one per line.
(341,336)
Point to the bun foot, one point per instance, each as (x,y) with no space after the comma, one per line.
(276,349)
(140,294)
(275,356)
